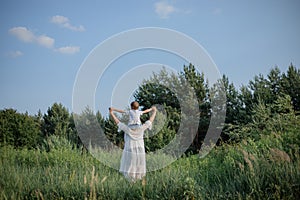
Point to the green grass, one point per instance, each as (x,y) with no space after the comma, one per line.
(249,170)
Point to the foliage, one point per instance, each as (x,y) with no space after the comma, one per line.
(269,89)
(262,169)
(19,130)
(235,113)
(252,103)
(56,121)
(290,84)
(90,129)
(179,94)
(112,132)
(42,157)
(278,118)
(265,105)
(160,134)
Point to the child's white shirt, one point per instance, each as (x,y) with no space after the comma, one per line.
(135,117)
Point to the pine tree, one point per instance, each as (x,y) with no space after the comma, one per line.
(290,85)
(18,129)
(56,121)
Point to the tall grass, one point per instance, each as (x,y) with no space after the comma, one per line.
(249,170)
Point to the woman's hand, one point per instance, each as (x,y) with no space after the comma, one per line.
(113,115)
(153,108)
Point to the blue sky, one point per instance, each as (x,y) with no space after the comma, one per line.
(43,43)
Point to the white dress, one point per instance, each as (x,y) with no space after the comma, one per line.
(133,161)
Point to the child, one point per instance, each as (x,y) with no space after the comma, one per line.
(134,113)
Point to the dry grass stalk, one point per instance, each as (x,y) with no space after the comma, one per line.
(241,166)
(252,157)
(246,159)
(278,155)
(94,180)
(84,179)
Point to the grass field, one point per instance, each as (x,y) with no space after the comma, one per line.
(265,169)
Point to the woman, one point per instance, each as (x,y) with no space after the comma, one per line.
(133,161)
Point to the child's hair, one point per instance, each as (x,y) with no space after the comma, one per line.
(135,105)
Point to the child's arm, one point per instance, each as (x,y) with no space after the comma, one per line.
(146,111)
(117,110)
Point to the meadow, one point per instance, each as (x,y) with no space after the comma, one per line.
(264,169)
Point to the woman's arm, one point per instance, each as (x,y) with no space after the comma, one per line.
(114,116)
(152,117)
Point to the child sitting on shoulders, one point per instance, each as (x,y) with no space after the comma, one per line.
(134,113)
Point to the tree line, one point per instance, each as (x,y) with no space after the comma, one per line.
(265,104)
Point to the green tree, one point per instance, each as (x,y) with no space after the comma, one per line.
(184,96)
(158,90)
(234,104)
(235,109)
(274,83)
(276,118)
(111,131)
(56,121)
(19,130)
(160,134)
(91,130)
(246,99)
(290,85)
(72,132)
(260,90)
(197,81)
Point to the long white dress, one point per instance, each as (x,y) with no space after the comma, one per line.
(133,161)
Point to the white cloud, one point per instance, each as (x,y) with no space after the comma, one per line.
(65,22)
(163,9)
(45,41)
(25,35)
(68,49)
(59,19)
(14,54)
